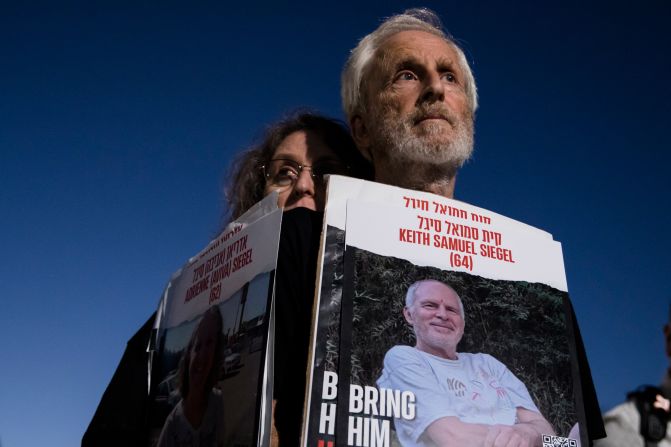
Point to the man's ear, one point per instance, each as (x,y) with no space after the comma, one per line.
(360,136)
(408,315)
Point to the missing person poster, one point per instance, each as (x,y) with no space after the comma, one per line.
(211,366)
(451,324)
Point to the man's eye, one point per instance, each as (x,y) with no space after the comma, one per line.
(406,76)
(450,77)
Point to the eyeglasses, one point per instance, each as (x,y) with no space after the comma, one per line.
(284,172)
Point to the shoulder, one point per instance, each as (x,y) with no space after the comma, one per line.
(402,354)
(622,427)
(624,415)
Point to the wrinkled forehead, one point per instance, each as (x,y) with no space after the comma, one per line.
(415,44)
(434,290)
(410,47)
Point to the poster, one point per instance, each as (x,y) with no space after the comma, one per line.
(213,332)
(510,280)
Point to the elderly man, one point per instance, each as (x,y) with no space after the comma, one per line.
(462,399)
(410,99)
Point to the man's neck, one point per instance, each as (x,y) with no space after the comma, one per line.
(445,352)
(421,177)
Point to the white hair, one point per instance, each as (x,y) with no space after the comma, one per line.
(412,290)
(417,19)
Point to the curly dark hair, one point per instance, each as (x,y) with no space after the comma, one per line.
(183,374)
(246,182)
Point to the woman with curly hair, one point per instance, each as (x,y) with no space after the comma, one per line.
(292,158)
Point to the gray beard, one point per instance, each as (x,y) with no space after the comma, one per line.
(401,145)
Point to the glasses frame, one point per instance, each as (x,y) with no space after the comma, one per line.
(316,177)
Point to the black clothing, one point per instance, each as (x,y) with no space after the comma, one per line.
(120,418)
(595,427)
(654,420)
(294,298)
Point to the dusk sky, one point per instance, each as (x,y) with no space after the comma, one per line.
(118,121)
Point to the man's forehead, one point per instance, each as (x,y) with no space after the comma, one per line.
(435,290)
(415,45)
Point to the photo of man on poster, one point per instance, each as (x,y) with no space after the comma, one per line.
(461,398)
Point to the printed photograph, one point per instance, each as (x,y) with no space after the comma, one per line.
(209,373)
(441,352)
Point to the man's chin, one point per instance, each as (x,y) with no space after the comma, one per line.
(435,155)
(428,143)
(442,330)
(433,126)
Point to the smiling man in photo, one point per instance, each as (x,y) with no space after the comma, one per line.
(462,399)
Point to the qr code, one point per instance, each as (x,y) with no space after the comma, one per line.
(558,441)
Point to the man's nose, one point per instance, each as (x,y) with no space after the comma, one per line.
(441,313)
(434,89)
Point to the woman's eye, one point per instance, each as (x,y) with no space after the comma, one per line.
(286,172)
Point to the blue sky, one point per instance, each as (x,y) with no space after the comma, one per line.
(118,121)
